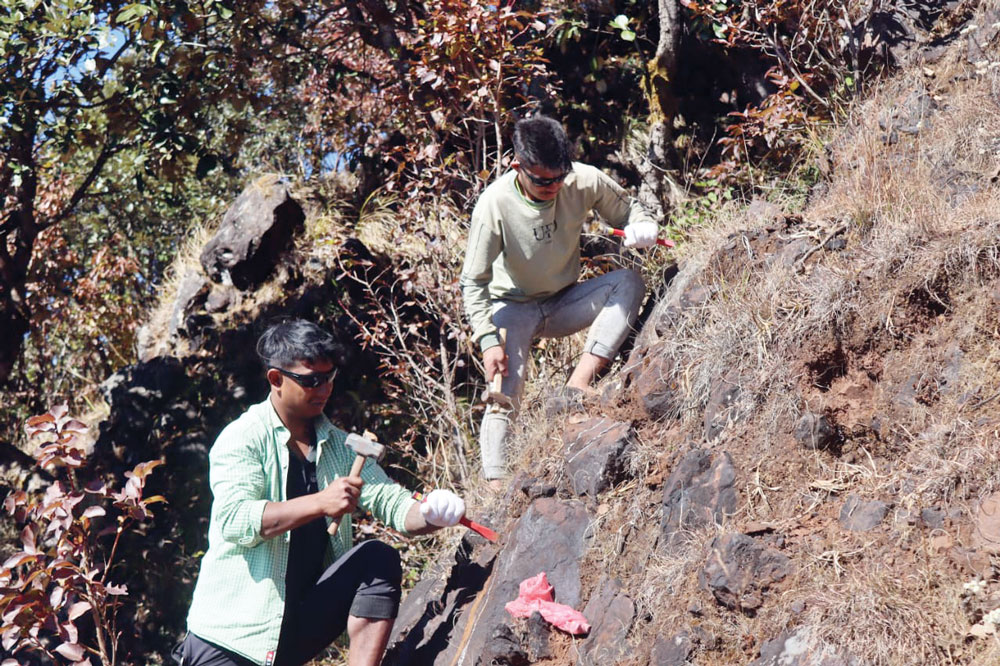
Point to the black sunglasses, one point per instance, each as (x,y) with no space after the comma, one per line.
(545,182)
(312,380)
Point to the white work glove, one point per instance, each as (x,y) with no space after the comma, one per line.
(442,508)
(640,234)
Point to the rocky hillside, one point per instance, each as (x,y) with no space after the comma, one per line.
(797,463)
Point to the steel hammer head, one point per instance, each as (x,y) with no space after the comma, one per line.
(364,447)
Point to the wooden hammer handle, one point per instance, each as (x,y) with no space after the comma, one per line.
(359,462)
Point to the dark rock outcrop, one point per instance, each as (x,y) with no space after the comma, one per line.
(699,491)
(739,570)
(595,452)
(255,231)
(860,516)
(452,619)
(652,382)
(610,613)
(815,431)
(720,410)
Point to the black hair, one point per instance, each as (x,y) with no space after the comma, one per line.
(292,340)
(541,141)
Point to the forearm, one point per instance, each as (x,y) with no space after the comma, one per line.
(415,524)
(280,517)
(478,310)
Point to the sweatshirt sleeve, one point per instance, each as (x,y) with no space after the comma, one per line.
(614,204)
(485,245)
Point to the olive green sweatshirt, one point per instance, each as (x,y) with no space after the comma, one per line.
(523,250)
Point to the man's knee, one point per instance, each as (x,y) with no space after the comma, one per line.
(383,560)
(381,587)
(632,281)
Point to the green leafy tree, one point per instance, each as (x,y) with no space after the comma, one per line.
(85,85)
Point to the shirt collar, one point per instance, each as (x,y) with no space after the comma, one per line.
(324,428)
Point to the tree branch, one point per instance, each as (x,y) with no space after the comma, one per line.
(106,152)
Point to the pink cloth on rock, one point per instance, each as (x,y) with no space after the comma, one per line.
(536,595)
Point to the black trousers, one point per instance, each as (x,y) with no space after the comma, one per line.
(365,582)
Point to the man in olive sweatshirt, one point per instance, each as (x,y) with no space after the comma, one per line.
(522,267)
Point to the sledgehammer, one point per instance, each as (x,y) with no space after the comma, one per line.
(364,448)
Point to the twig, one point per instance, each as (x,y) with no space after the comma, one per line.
(813,250)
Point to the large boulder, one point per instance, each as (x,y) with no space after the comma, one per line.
(255,231)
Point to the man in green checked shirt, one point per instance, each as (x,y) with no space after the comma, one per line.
(274,588)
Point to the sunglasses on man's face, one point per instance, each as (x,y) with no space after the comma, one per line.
(310,381)
(538,181)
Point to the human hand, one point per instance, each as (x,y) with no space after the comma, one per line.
(341,497)
(640,234)
(494,361)
(442,508)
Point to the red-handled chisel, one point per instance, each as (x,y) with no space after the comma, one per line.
(665,242)
(482,530)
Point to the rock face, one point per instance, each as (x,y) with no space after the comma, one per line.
(720,410)
(595,454)
(700,491)
(679,649)
(651,379)
(739,570)
(451,622)
(610,613)
(255,230)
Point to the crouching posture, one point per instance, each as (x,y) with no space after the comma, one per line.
(274,587)
(522,267)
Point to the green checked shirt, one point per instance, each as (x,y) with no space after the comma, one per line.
(239,599)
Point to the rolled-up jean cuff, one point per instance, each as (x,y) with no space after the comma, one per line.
(602,350)
(491,473)
(374,607)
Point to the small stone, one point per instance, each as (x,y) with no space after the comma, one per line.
(815,431)
(932,518)
(859,516)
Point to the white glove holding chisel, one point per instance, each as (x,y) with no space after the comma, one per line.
(442,508)
(640,234)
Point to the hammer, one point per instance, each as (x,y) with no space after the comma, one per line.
(494,392)
(364,448)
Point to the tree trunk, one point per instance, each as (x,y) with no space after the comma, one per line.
(657,191)
(17,238)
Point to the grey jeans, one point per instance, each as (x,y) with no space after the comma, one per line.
(608,304)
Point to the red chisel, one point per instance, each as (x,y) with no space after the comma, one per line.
(665,242)
(482,530)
